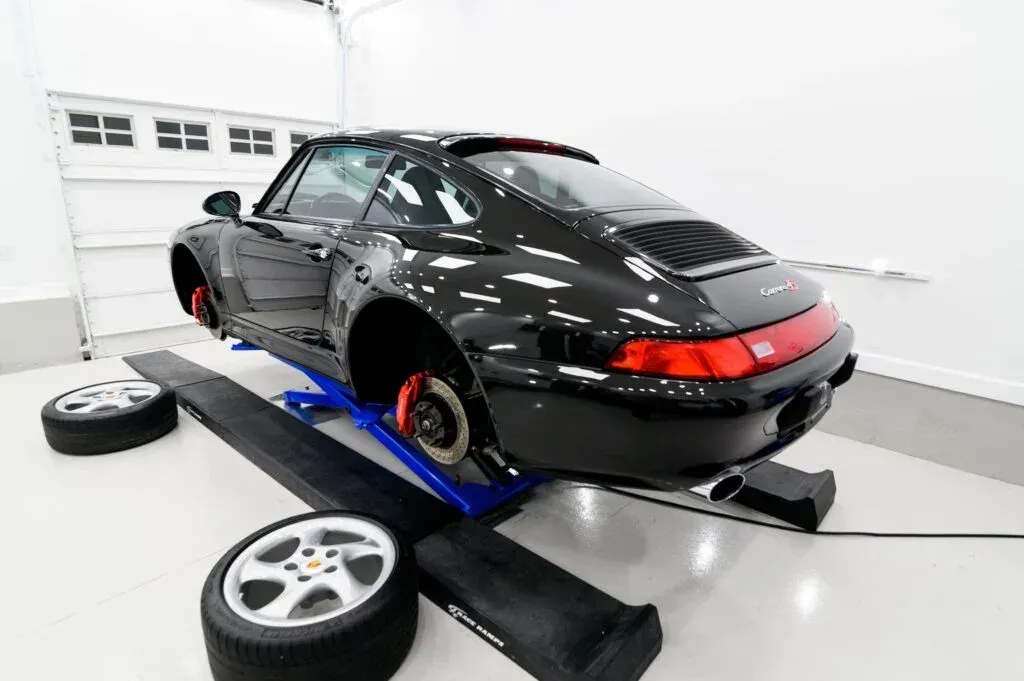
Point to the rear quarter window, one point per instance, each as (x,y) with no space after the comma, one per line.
(413,194)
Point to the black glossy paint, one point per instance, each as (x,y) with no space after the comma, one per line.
(537,300)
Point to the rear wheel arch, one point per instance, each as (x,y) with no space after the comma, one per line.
(390,339)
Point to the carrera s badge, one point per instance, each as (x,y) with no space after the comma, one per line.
(790,285)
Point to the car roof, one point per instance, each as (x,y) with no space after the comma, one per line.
(417,138)
(435,141)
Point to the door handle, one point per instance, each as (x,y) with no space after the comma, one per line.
(361,273)
(317,254)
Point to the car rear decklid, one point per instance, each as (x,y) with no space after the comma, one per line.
(738,279)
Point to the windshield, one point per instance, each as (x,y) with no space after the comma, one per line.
(567,182)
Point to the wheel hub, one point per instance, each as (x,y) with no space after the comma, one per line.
(435,422)
(313,567)
(439,422)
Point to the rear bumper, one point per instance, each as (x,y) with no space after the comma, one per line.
(669,434)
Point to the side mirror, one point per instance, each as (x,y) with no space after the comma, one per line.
(223,204)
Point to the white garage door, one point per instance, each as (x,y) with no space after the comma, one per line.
(134,171)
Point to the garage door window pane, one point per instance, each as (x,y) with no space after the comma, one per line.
(114,123)
(336,182)
(197,144)
(241,147)
(195,130)
(168,142)
(119,140)
(411,194)
(297,138)
(264,149)
(84,121)
(169,127)
(84,137)
(238,133)
(262,136)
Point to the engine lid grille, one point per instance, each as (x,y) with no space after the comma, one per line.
(691,250)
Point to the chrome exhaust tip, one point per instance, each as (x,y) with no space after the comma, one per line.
(723,489)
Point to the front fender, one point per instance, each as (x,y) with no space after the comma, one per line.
(201,239)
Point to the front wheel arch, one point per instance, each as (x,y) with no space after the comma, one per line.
(187,275)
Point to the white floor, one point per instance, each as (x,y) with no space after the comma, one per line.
(104,557)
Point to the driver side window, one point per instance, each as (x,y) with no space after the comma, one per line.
(333,185)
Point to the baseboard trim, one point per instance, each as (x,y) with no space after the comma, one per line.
(948,379)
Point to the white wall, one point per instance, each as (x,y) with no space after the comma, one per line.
(273,57)
(34,246)
(824,131)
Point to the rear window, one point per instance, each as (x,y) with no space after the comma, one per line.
(565,181)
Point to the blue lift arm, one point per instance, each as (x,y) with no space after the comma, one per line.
(472,498)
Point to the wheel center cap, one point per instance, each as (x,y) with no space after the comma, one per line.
(313,566)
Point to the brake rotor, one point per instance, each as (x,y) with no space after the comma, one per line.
(441,422)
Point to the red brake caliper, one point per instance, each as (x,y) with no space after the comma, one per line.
(198,301)
(407,398)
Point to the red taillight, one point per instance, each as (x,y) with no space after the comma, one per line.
(750,353)
(719,359)
(788,341)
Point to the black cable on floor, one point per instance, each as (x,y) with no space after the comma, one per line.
(798,530)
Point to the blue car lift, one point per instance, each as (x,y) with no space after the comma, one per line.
(471,498)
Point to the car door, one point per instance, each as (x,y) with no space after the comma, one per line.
(280,259)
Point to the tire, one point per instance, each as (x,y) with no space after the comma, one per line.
(109,429)
(366,643)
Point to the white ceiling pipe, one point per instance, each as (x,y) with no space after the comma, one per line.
(344,27)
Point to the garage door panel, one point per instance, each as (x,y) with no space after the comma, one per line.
(115,206)
(125,271)
(125,314)
(120,344)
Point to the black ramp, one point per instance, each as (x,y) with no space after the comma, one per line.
(539,615)
(799,498)
(553,624)
(318,469)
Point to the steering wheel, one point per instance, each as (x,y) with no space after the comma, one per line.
(330,201)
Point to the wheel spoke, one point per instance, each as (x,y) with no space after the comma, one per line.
(311,537)
(293,594)
(92,393)
(138,393)
(93,406)
(123,402)
(256,570)
(361,549)
(345,584)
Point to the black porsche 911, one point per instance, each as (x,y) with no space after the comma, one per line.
(523,305)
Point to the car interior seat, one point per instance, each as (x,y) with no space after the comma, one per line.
(527,179)
(430,211)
